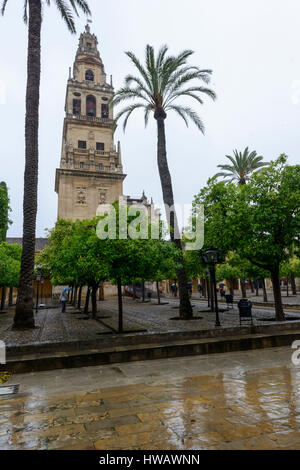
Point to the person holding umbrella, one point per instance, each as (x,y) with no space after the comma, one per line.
(64,297)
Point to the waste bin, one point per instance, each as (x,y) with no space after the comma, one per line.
(245,310)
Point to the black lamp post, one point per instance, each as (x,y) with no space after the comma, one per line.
(211,257)
(207,287)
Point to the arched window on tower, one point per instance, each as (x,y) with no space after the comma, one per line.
(104,111)
(90,105)
(89,75)
(76,106)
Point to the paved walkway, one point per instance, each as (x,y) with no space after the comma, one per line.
(242,400)
(55,327)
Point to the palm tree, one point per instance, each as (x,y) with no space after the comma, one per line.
(160,83)
(243,164)
(24,317)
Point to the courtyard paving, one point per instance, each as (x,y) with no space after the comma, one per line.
(242,400)
(56,327)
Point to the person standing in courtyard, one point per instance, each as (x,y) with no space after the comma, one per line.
(63,298)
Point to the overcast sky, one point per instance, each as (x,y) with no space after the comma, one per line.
(252,46)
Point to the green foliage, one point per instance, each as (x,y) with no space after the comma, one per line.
(290,267)
(160,83)
(260,220)
(193,265)
(143,259)
(10,261)
(4,211)
(76,256)
(228,272)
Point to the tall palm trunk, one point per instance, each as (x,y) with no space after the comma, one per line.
(24,317)
(185,308)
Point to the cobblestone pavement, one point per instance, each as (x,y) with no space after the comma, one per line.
(242,400)
(53,326)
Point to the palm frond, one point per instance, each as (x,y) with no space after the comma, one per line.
(3,7)
(161,82)
(140,68)
(128,110)
(189,92)
(66,14)
(83,5)
(148,109)
(243,164)
(186,77)
(130,78)
(226,167)
(184,93)
(222,173)
(128,93)
(189,113)
(179,111)
(25,14)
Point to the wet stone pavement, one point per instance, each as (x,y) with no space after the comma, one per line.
(241,400)
(55,327)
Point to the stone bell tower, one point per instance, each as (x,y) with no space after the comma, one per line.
(90,170)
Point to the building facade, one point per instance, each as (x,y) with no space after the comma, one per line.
(91,171)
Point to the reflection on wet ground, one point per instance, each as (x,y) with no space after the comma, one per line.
(242,400)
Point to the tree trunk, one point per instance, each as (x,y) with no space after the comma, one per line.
(3,296)
(10,296)
(120,305)
(94,300)
(134,291)
(277,294)
(72,293)
(75,296)
(251,286)
(264,290)
(256,287)
(243,287)
(185,308)
(79,298)
(87,301)
(158,292)
(287,286)
(231,287)
(24,316)
(143,291)
(101,291)
(293,284)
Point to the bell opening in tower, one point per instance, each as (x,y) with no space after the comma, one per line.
(89,75)
(91,106)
